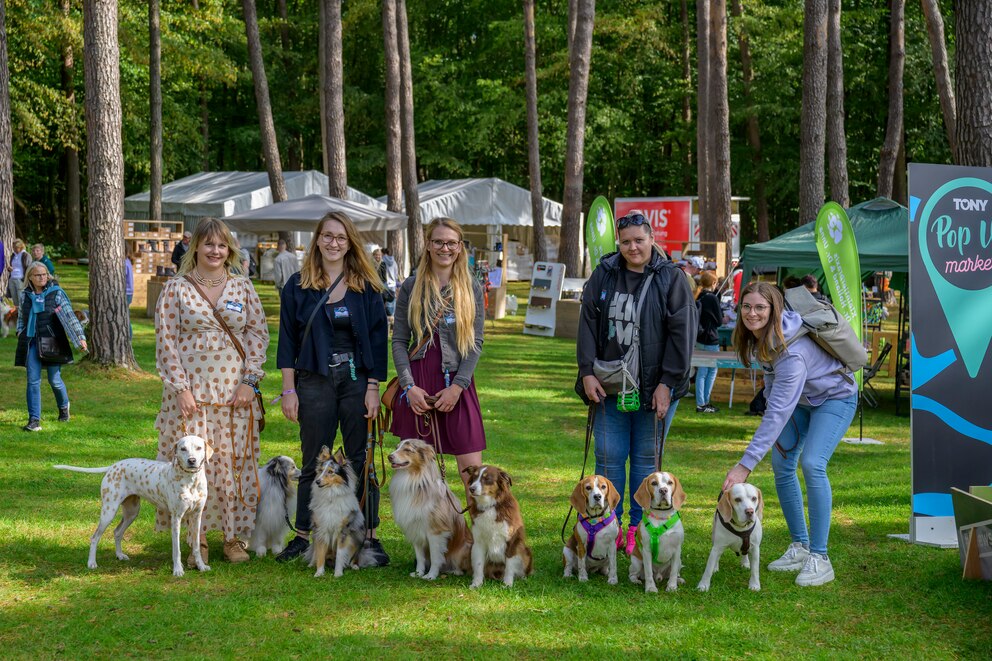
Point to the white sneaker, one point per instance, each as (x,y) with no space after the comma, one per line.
(816,571)
(792,560)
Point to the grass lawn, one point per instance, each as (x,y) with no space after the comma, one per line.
(890,599)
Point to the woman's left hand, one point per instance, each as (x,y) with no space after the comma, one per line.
(736,475)
(447,398)
(82,345)
(371,403)
(662,399)
(243,396)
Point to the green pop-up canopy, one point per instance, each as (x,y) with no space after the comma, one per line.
(880,227)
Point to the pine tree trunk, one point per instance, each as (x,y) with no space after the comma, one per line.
(155,105)
(267,129)
(893,130)
(533,142)
(836,136)
(812,130)
(973,77)
(109,339)
(333,91)
(205,125)
(6,156)
(569,252)
(415,228)
(719,225)
(941,72)
(702,108)
(71,154)
(687,81)
(753,131)
(395,239)
(283,25)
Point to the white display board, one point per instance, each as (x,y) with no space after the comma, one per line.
(542,303)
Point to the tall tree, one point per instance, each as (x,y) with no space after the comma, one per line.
(753,129)
(836,137)
(533,142)
(813,119)
(941,72)
(973,80)
(702,106)
(893,129)
(6,154)
(109,339)
(267,129)
(718,226)
(333,91)
(687,81)
(578,91)
(155,104)
(414,228)
(70,153)
(394,168)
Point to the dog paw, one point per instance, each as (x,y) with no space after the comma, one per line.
(703,587)
(91,564)
(260,553)
(745,562)
(178,571)
(651,588)
(671,588)
(416,574)
(319,573)
(203,567)
(583,578)
(430,577)
(475,585)
(612,580)
(122,556)
(755,586)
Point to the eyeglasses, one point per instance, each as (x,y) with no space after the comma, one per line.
(631,219)
(746,308)
(39,275)
(333,239)
(449,245)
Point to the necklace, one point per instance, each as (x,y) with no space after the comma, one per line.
(208,282)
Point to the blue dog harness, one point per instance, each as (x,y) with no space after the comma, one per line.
(593,526)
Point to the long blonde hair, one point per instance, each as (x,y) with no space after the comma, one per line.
(211,228)
(358,268)
(426,300)
(769,342)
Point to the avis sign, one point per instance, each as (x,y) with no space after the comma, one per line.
(669,217)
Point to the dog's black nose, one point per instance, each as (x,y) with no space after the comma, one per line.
(597,497)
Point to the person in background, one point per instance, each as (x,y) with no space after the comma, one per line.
(707,339)
(810,402)
(691,266)
(392,278)
(809,282)
(44,311)
(129,290)
(285,265)
(180,250)
(17,268)
(38,254)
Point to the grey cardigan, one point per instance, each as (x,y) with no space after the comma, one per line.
(450,359)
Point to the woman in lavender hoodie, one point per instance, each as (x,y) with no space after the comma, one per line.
(811,402)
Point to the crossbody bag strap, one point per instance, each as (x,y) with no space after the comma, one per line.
(220,319)
(427,336)
(320,304)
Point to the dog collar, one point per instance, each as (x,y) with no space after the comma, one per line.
(656,530)
(745,535)
(592,527)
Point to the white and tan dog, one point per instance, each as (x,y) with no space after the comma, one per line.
(426,510)
(737,526)
(276,483)
(8,316)
(178,487)
(658,554)
(592,546)
(499,547)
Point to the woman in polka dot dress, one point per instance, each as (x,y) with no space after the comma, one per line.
(207,389)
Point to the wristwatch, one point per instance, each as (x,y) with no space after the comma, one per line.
(250,379)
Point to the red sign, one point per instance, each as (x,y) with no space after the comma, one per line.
(669,218)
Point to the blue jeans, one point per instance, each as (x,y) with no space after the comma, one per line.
(130,328)
(34,383)
(809,440)
(705,377)
(622,435)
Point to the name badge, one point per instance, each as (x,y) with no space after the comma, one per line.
(234,306)
(449,319)
(341,312)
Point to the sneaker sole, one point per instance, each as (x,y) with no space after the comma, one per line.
(787,568)
(819,580)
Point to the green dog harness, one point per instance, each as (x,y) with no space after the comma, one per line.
(656,531)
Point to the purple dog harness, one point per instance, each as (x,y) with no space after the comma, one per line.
(592,527)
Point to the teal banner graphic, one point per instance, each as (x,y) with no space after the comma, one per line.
(600,231)
(838,250)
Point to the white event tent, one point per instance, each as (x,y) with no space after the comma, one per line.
(301,215)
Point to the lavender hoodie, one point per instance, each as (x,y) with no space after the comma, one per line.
(803,374)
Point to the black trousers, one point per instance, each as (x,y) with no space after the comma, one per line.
(327,402)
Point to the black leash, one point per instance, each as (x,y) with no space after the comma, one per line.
(659,442)
(590,422)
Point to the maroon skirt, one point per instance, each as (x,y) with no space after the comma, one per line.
(461,429)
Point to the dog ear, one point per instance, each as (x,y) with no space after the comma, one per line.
(504,477)
(471,471)
(678,498)
(208,451)
(324,455)
(643,494)
(339,456)
(760,510)
(578,500)
(725,507)
(612,495)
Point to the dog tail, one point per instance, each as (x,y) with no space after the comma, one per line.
(78,469)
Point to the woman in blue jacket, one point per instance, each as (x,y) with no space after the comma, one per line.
(332,354)
(811,402)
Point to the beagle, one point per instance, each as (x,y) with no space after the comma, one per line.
(737,526)
(592,545)
(658,554)
(500,544)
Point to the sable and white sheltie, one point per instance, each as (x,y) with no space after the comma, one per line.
(499,547)
(8,316)
(426,511)
(338,523)
(277,483)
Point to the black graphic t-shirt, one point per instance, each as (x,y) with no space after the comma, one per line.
(620,315)
(343,340)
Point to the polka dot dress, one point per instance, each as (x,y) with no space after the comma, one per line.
(193,351)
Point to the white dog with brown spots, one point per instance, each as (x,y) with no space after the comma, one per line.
(178,487)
